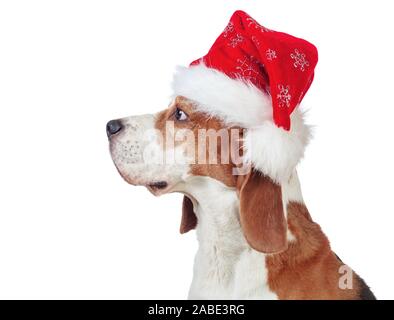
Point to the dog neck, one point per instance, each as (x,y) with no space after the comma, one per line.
(226,266)
(217,209)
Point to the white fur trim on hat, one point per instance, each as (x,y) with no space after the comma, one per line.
(233,101)
(270,149)
(275,151)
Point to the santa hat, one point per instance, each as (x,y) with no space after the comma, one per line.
(255,77)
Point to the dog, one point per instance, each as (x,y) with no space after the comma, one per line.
(222,208)
(256,237)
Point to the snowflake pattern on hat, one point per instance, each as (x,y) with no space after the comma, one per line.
(283,96)
(299,60)
(270,54)
(248,69)
(236,40)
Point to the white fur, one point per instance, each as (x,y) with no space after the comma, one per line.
(225,266)
(270,149)
(291,190)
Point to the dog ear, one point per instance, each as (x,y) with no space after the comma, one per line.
(189,219)
(261,213)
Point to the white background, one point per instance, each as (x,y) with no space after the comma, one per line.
(70,227)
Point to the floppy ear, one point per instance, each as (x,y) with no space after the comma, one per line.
(189,219)
(261,213)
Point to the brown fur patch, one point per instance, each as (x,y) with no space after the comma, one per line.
(308,269)
(198,120)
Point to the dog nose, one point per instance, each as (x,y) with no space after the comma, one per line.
(113,126)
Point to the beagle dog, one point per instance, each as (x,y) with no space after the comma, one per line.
(256,237)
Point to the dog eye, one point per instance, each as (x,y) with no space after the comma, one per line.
(180,115)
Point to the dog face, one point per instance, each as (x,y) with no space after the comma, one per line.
(159,151)
(166,150)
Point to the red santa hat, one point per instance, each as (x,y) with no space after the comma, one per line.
(255,77)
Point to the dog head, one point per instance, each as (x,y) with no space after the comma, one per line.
(167,149)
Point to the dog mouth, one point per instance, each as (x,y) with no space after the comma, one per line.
(157,187)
